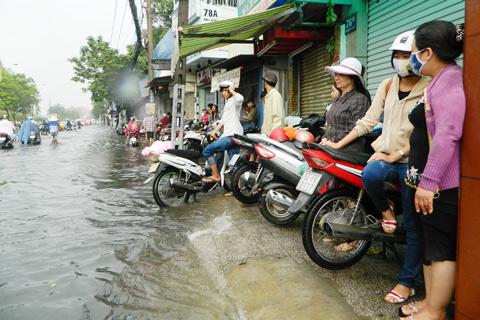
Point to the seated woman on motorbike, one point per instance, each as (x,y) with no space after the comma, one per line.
(134,127)
(348,107)
(394,99)
(230,123)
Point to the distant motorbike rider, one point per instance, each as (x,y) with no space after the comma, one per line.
(134,127)
(230,122)
(7,128)
(26,128)
(54,126)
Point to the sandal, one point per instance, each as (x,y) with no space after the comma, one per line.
(389,224)
(397,297)
(411,306)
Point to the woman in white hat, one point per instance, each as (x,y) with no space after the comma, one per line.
(350,106)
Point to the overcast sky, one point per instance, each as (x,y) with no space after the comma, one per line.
(37,37)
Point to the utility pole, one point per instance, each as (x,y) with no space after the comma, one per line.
(178,108)
(150,39)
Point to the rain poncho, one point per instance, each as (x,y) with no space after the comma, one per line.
(24,132)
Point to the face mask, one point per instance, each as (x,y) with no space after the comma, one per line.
(415,64)
(402,67)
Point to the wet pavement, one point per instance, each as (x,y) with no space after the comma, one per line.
(82,238)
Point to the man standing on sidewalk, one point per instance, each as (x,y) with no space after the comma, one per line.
(149,127)
(273,110)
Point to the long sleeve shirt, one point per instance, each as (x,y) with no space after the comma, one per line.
(445,118)
(273,112)
(342,116)
(231,116)
(396,126)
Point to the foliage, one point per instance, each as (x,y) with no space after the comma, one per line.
(331,15)
(65,113)
(331,18)
(162,13)
(18,94)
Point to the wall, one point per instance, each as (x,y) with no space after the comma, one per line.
(468,271)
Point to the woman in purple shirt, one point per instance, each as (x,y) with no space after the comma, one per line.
(434,165)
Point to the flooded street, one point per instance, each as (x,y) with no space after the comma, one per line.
(82,238)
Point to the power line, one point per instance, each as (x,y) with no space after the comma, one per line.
(114,15)
(123,19)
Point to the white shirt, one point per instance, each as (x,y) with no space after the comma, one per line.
(7,127)
(231,116)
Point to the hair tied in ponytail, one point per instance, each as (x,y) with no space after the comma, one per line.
(460,32)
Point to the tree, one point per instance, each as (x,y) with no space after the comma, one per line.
(96,66)
(18,94)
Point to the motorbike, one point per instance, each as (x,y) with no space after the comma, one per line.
(283,160)
(35,137)
(132,140)
(5,141)
(341,221)
(178,174)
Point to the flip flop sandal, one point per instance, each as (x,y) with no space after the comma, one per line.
(397,297)
(411,306)
(389,224)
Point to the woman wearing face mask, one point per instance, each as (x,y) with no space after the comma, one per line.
(434,163)
(349,106)
(394,99)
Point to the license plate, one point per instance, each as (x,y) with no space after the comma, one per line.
(308,182)
(153,167)
(234,160)
(2,139)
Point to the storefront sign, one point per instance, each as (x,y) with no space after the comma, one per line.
(232,75)
(202,11)
(253,6)
(150,108)
(160,64)
(144,90)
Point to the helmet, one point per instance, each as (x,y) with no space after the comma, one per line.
(226,84)
(132,118)
(403,42)
(304,136)
(278,135)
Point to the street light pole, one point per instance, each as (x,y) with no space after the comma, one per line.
(150,39)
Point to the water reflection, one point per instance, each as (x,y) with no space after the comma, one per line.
(82,238)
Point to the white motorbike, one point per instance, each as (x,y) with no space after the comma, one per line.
(178,174)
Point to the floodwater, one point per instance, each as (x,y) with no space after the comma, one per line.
(81,237)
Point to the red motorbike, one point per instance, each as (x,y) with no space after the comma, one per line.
(341,219)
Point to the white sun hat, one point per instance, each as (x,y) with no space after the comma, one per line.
(349,66)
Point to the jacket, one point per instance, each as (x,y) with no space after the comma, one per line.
(445,118)
(396,126)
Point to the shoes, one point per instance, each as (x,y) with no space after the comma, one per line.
(411,306)
(391,224)
(397,298)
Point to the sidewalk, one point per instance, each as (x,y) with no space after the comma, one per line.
(265,271)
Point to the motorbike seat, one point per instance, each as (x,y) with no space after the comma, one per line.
(187,154)
(356,158)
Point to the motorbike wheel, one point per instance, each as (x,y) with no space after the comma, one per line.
(164,195)
(240,183)
(336,206)
(273,213)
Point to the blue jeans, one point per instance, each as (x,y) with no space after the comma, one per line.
(373,177)
(222,144)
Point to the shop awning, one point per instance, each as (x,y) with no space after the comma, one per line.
(237,30)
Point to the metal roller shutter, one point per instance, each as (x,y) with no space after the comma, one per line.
(315,83)
(388,18)
(190,105)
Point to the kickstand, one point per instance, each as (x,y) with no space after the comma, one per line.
(390,246)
